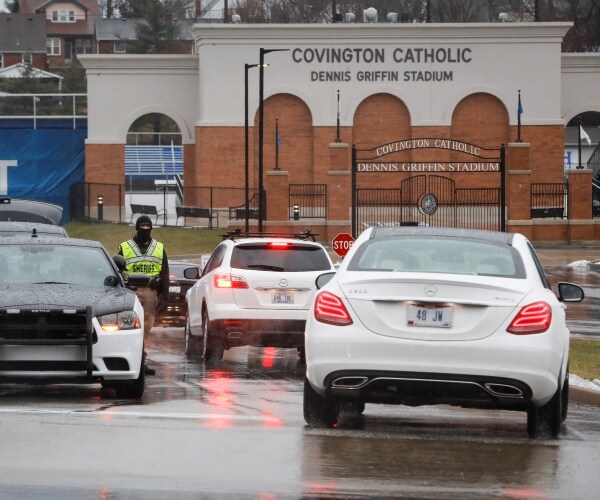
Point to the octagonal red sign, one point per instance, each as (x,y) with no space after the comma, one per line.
(342,243)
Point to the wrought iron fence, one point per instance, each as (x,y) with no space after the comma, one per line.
(549,199)
(307,201)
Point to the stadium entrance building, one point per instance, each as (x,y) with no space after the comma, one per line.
(362,124)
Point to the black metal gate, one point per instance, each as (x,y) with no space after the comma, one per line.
(428,199)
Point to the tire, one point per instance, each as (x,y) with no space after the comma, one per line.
(135,388)
(213,341)
(546,421)
(565,398)
(193,345)
(320,412)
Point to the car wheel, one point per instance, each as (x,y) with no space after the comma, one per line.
(135,388)
(546,421)
(191,342)
(213,342)
(319,411)
(565,398)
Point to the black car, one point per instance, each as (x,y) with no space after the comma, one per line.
(172,312)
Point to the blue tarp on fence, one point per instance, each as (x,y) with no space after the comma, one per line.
(47,163)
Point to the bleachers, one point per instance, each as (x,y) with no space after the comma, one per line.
(153,160)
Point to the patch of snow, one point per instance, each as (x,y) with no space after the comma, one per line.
(580,263)
(582,382)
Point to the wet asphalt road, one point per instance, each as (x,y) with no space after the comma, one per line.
(235,430)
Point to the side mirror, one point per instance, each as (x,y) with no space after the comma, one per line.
(323,279)
(568,292)
(191,273)
(120,262)
(111,281)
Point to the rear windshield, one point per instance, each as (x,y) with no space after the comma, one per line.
(294,258)
(176,270)
(438,255)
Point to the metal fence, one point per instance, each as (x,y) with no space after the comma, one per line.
(113,202)
(33,109)
(307,201)
(464,208)
(549,199)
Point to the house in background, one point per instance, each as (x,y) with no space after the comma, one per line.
(114,36)
(69,27)
(23,40)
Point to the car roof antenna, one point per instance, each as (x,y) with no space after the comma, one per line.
(34,233)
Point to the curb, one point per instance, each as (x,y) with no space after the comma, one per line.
(583,395)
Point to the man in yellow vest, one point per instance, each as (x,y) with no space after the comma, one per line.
(146,255)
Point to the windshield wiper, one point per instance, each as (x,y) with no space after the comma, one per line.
(51,283)
(266,267)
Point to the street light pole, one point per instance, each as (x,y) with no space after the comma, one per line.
(261,194)
(246,168)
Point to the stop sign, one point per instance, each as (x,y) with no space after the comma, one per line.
(342,243)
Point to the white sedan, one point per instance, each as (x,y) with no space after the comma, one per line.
(422,316)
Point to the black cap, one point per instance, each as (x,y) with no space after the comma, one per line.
(143,218)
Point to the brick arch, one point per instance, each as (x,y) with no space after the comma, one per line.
(481,119)
(379,119)
(295,124)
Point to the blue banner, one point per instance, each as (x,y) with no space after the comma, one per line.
(42,164)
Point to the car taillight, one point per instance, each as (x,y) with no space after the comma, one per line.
(331,310)
(226,280)
(533,318)
(281,245)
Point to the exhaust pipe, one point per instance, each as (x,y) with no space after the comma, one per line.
(503,390)
(349,382)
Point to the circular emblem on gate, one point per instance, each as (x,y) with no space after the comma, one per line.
(428,204)
(430,290)
(283,283)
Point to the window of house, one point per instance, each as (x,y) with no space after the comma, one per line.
(53,46)
(27,59)
(63,16)
(1,60)
(83,46)
(119,47)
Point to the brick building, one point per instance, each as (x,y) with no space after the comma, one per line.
(443,98)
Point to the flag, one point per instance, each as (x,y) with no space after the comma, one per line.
(277,138)
(583,135)
(520,108)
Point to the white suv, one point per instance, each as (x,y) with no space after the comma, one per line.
(254,290)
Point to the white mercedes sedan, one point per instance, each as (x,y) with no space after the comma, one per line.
(424,316)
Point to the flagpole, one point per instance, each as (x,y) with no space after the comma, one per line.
(579,142)
(519,111)
(337,135)
(276,144)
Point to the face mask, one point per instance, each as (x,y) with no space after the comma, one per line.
(144,234)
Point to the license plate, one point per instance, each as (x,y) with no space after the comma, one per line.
(430,315)
(174,289)
(282,298)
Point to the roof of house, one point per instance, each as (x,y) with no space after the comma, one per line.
(124,29)
(18,70)
(22,33)
(92,14)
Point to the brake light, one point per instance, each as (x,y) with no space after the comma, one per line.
(279,245)
(226,280)
(533,318)
(331,310)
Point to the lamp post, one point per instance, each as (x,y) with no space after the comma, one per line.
(261,194)
(100,201)
(246,175)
